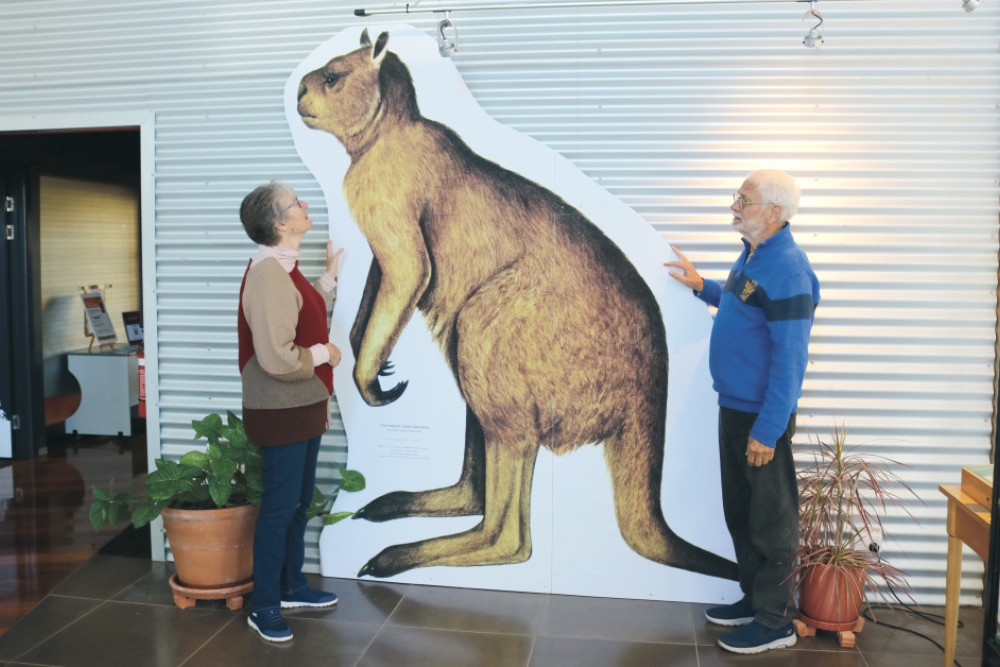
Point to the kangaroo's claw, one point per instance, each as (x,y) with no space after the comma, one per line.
(377,396)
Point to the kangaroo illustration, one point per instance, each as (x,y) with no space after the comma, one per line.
(553,337)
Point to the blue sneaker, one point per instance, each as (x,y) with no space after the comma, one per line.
(737,613)
(757,638)
(308,597)
(269,624)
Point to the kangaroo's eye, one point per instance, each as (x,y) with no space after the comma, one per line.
(331,79)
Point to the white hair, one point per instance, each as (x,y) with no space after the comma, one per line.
(777,187)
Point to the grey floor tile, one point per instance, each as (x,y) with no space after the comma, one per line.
(786,657)
(316,642)
(619,620)
(470,610)
(882,638)
(103,577)
(357,601)
(562,651)
(51,615)
(876,659)
(122,633)
(153,588)
(419,647)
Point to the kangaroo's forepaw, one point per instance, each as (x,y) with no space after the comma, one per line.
(388,368)
(385,508)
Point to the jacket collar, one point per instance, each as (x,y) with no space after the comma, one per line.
(782,237)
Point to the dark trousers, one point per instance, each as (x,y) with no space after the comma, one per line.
(279,539)
(762,513)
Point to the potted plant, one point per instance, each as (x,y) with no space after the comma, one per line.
(843,496)
(209,501)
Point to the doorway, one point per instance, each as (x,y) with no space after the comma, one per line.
(72,203)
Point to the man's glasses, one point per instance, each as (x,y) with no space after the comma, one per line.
(742,201)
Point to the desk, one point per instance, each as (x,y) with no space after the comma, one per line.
(109,387)
(968,522)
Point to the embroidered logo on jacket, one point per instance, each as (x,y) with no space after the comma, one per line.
(748,289)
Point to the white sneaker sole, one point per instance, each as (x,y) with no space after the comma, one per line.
(263,636)
(729,622)
(315,605)
(784,642)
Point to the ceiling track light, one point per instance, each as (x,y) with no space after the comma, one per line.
(813,38)
(447,46)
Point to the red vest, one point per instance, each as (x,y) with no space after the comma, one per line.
(309,330)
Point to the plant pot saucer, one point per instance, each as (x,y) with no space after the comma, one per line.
(187,596)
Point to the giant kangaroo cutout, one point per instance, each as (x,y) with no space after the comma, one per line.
(553,338)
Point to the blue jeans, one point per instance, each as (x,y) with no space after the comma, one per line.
(279,541)
(762,513)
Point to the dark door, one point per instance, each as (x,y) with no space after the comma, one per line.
(21,396)
(6,350)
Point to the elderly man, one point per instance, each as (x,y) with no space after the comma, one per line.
(758,356)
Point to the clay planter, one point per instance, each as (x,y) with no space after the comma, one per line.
(213,552)
(830,597)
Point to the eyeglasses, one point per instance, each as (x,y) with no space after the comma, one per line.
(741,201)
(294,203)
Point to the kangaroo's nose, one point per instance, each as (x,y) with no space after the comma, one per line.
(302,91)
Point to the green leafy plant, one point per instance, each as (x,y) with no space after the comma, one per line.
(350,481)
(843,496)
(226,473)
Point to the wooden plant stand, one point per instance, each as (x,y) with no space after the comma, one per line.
(186,596)
(806,627)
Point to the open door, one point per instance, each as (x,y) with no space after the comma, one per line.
(20,389)
(6,350)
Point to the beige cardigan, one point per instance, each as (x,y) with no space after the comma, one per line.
(283,399)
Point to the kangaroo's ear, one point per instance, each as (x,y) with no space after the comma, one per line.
(379,51)
(365,39)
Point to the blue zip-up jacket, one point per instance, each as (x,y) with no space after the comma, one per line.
(760,337)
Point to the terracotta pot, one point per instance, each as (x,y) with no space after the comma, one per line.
(212,548)
(830,597)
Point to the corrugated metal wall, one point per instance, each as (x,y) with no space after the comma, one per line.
(892,129)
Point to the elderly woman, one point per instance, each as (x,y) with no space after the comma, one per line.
(286,362)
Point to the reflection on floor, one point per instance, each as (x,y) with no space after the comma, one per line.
(117,610)
(45,532)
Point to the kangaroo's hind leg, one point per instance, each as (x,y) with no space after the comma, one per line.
(635,461)
(504,534)
(463,498)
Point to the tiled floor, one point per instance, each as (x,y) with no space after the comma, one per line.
(117,610)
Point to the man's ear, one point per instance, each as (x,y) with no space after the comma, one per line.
(778,211)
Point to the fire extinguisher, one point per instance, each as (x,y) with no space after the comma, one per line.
(142,383)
